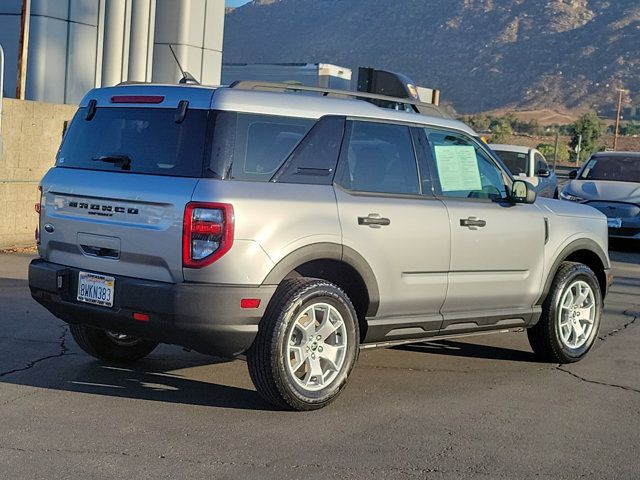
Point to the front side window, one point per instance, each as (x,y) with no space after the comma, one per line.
(379,158)
(463,169)
(541,163)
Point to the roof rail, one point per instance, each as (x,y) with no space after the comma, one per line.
(418,107)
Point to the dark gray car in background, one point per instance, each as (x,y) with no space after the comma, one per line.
(610,182)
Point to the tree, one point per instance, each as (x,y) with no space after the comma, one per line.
(589,126)
(548,150)
(479,123)
(631,128)
(500,130)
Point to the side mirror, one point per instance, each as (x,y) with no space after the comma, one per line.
(521,192)
(543,172)
(573,174)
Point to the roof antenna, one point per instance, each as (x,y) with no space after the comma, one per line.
(186,76)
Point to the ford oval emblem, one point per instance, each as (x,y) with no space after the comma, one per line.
(49,228)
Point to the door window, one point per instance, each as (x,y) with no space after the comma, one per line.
(463,169)
(540,162)
(379,158)
(314,159)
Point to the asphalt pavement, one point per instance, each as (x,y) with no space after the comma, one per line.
(479,408)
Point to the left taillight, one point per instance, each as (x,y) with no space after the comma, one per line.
(38,208)
(207,233)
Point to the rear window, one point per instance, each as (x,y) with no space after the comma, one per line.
(147,139)
(516,162)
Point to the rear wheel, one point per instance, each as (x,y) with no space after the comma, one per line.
(111,346)
(306,346)
(570,316)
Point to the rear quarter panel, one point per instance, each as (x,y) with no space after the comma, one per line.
(271,221)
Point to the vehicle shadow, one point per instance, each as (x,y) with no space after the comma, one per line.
(154,379)
(37,350)
(623,245)
(469,350)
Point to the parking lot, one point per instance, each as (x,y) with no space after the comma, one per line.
(479,408)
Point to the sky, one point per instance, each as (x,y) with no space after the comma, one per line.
(235,3)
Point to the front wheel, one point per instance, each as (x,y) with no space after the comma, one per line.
(111,346)
(570,316)
(306,346)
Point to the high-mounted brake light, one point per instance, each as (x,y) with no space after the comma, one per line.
(137,99)
(207,233)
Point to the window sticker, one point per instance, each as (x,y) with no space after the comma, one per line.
(457,168)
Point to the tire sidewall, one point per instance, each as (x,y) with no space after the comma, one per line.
(322,293)
(584,274)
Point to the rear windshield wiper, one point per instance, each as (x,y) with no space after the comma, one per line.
(122,160)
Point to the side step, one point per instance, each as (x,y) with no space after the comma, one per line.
(435,338)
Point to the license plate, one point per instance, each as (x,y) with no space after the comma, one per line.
(96,289)
(614,222)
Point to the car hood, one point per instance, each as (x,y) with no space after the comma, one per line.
(605,190)
(564,208)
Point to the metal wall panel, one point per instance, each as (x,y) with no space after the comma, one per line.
(46,68)
(81,60)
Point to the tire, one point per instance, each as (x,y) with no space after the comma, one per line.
(289,335)
(559,336)
(106,345)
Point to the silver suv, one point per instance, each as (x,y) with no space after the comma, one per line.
(297,228)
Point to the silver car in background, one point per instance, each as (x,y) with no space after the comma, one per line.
(610,182)
(530,165)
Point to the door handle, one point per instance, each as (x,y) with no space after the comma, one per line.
(472,223)
(374,220)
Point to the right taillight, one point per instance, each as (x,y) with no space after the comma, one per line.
(38,208)
(207,233)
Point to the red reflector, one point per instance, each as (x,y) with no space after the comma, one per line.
(250,303)
(137,99)
(140,317)
(206,227)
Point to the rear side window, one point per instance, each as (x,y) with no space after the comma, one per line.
(379,158)
(263,143)
(147,140)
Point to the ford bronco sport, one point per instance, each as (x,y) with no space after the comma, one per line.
(297,228)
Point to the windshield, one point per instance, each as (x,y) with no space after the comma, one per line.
(515,162)
(136,140)
(612,168)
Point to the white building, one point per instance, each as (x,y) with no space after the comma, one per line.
(75,45)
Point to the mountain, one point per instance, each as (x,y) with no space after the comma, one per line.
(483,54)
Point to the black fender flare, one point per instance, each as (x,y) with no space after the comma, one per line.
(328,251)
(575,246)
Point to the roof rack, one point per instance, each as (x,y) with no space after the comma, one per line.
(376,99)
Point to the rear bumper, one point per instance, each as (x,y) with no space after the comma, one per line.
(203,317)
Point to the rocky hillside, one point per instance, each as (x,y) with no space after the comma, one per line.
(483,54)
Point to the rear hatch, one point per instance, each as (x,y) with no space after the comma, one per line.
(128,165)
